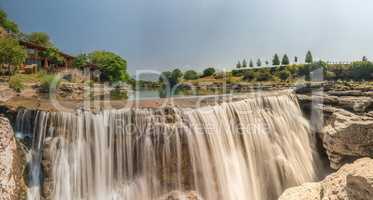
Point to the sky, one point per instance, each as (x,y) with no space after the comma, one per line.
(195,34)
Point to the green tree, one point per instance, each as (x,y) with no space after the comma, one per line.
(113,67)
(259,63)
(365,59)
(276,60)
(11,54)
(40,38)
(208,72)
(309,58)
(190,75)
(295,59)
(81,61)
(8,24)
(249,75)
(244,63)
(267,62)
(362,70)
(52,54)
(251,64)
(285,60)
(238,65)
(283,74)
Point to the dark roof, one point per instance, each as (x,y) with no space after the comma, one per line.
(42,48)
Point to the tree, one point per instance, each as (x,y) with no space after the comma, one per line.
(267,62)
(283,74)
(295,59)
(190,75)
(251,63)
(309,58)
(11,54)
(40,38)
(259,63)
(249,75)
(81,61)
(365,59)
(276,60)
(8,24)
(208,72)
(244,63)
(113,67)
(285,60)
(238,65)
(362,70)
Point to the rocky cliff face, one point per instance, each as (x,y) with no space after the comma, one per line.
(12,186)
(346,136)
(351,182)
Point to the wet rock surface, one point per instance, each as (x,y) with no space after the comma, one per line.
(178,195)
(11,179)
(351,182)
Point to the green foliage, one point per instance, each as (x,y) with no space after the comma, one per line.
(251,63)
(48,82)
(307,69)
(81,61)
(40,38)
(237,73)
(264,75)
(362,70)
(365,58)
(52,54)
(208,72)
(244,63)
(309,58)
(284,74)
(11,53)
(285,60)
(8,24)
(170,78)
(113,68)
(295,59)
(276,60)
(16,84)
(238,65)
(259,63)
(191,75)
(249,75)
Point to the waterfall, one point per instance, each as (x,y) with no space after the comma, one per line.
(249,149)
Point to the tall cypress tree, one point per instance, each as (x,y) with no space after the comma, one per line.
(276,60)
(244,63)
(259,63)
(251,63)
(238,65)
(285,60)
(309,58)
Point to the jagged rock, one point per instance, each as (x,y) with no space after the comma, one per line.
(347,136)
(178,195)
(11,182)
(351,182)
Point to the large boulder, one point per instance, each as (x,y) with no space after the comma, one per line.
(346,136)
(12,186)
(351,182)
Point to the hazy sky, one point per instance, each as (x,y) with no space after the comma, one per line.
(161,34)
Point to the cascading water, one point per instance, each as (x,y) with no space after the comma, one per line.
(249,149)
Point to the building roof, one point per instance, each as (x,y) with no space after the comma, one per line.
(42,48)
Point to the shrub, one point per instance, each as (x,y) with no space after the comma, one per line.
(249,75)
(237,73)
(264,75)
(362,70)
(191,75)
(48,81)
(16,84)
(208,72)
(283,74)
